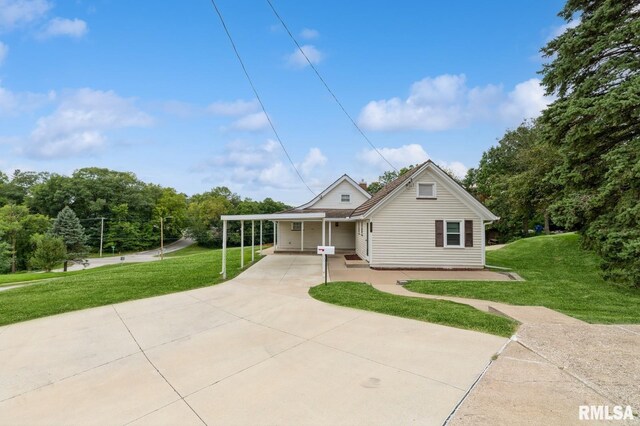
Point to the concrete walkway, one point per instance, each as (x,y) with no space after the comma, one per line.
(555,364)
(254,350)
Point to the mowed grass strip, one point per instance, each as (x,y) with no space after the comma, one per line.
(363,296)
(117,283)
(559,274)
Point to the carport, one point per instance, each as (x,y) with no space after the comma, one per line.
(275,218)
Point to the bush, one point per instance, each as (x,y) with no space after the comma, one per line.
(50,251)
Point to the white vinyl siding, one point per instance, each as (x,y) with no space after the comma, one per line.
(333,199)
(404,230)
(342,236)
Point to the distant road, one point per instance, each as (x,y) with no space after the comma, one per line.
(143,256)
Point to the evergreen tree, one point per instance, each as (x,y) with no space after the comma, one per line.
(595,124)
(50,251)
(67,226)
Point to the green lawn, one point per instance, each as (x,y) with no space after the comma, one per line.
(20,277)
(364,296)
(559,275)
(115,283)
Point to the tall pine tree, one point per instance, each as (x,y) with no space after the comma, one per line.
(67,226)
(594,70)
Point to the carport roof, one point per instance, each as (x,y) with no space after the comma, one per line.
(276,216)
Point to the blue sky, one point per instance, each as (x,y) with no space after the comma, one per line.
(154,87)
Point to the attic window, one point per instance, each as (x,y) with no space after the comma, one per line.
(426,190)
(345,198)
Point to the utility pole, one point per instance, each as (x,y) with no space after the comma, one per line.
(101,233)
(161,238)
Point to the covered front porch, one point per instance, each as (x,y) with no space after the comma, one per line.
(293,232)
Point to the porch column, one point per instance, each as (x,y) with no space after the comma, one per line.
(261,238)
(302,236)
(253,237)
(330,226)
(224,250)
(241,244)
(323,231)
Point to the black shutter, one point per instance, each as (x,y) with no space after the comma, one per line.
(468,233)
(439,233)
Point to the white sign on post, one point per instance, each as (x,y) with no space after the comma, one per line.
(326,250)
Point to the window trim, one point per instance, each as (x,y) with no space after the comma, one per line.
(421,197)
(345,202)
(461,232)
(293,227)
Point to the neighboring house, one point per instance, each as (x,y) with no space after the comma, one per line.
(421,220)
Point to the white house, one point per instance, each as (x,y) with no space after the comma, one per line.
(421,220)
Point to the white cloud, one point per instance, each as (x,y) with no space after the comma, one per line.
(12,103)
(15,13)
(445,102)
(458,169)
(297,60)
(526,100)
(406,155)
(57,27)
(400,157)
(4,51)
(253,167)
(313,160)
(254,122)
(80,122)
(309,34)
(234,108)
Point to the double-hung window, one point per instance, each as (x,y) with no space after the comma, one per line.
(454,233)
(296,226)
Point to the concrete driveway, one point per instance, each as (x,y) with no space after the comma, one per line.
(254,350)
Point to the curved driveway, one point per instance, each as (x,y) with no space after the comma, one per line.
(254,350)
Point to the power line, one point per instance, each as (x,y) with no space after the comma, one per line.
(327,86)
(255,92)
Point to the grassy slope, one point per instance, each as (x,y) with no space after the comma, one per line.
(117,283)
(363,296)
(560,275)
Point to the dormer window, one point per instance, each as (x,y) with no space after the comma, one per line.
(345,198)
(426,190)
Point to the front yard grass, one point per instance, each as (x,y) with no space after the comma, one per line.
(559,274)
(115,283)
(363,296)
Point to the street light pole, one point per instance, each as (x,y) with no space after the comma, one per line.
(101,233)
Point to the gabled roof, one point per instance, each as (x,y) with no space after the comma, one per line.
(394,187)
(386,190)
(330,187)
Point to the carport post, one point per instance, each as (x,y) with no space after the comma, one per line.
(275,235)
(224,249)
(324,256)
(330,223)
(253,237)
(241,244)
(302,236)
(260,238)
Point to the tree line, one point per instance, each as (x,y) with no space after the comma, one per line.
(117,205)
